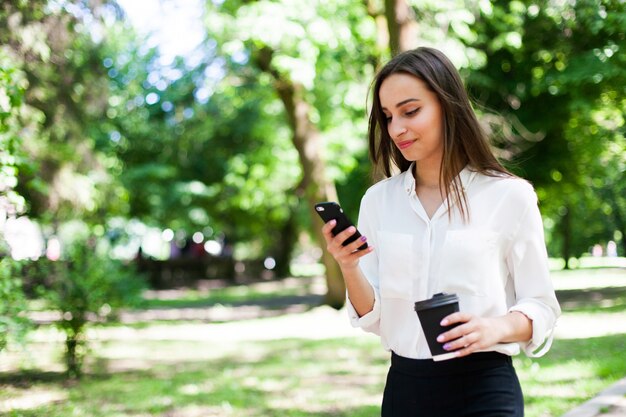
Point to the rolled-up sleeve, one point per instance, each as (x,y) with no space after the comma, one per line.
(368,264)
(527,261)
(370,321)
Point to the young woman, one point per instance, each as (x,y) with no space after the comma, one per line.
(452,220)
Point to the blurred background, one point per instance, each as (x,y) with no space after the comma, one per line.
(190,129)
(183,143)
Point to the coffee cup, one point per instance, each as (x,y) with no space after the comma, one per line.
(430,313)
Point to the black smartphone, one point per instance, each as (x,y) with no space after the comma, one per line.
(332,211)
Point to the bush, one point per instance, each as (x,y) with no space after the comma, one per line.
(86,286)
(13,322)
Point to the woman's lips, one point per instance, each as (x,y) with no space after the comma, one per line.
(405,144)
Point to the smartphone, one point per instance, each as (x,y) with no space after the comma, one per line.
(332,211)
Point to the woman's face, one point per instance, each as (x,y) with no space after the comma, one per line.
(414,118)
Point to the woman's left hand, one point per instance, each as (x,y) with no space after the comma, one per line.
(473,334)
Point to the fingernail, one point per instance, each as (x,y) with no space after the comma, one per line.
(444,322)
(446,346)
(333,222)
(440,338)
(351,229)
(363,238)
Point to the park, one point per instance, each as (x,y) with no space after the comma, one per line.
(159,165)
(267,348)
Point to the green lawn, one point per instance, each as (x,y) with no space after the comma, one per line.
(292,377)
(235,295)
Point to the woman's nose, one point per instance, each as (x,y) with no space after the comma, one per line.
(396,129)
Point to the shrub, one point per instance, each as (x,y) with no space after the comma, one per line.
(13,322)
(86,286)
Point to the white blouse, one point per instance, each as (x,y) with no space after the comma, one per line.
(495,263)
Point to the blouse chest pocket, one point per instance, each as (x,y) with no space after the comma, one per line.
(469,262)
(395,265)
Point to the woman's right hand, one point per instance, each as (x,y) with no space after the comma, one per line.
(346,256)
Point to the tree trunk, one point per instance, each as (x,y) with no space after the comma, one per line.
(71,357)
(284,246)
(74,349)
(402,26)
(316,186)
(377,13)
(566,235)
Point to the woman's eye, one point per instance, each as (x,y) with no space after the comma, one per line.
(412,112)
(388,119)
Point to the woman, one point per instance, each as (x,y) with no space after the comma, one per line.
(452,220)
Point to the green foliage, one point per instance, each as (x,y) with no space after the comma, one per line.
(86,285)
(13,323)
(556,74)
(208,147)
(12,86)
(325,52)
(93,126)
(328,48)
(191,163)
(60,89)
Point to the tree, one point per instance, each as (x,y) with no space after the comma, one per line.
(305,52)
(554,71)
(60,173)
(85,286)
(401,25)
(13,112)
(315,185)
(191,164)
(51,95)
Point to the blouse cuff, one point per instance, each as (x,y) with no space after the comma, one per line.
(367,320)
(541,339)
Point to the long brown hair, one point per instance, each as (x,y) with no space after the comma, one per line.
(464,141)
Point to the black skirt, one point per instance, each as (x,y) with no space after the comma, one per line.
(479,385)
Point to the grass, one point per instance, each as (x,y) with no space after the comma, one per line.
(223,293)
(573,371)
(240,294)
(292,377)
(337,377)
(276,378)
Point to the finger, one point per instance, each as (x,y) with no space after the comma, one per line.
(352,256)
(457,317)
(466,351)
(455,333)
(328,227)
(354,246)
(350,259)
(342,236)
(463,327)
(363,252)
(461,342)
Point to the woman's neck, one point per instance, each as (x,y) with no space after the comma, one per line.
(427,176)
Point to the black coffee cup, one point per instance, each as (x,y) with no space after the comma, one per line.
(430,313)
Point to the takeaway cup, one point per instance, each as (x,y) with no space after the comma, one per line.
(430,313)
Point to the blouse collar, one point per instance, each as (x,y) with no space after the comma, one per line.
(465,177)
